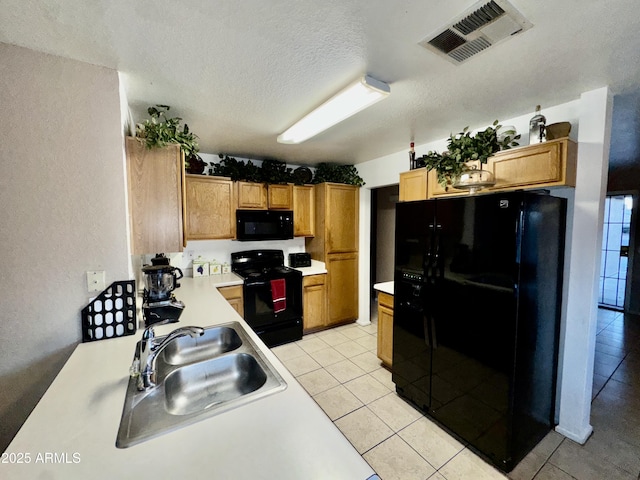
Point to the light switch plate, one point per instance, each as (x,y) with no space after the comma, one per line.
(96,281)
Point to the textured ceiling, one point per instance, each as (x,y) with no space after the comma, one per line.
(240,73)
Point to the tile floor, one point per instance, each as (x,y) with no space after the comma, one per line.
(340,370)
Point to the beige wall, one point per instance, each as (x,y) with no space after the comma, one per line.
(63,212)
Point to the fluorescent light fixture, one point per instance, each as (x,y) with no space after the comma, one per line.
(351,100)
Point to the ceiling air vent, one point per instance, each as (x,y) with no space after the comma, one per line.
(480,27)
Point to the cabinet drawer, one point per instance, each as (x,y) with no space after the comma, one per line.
(385,299)
(311,280)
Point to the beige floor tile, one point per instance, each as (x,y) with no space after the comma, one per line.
(353,332)
(436,476)
(317,381)
(345,370)
(288,350)
(332,337)
(371,329)
(311,345)
(580,463)
(393,459)
(367,388)
(549,472)
(467,465)
(367,361)
(370,342)
(394,411)
(301,364)
(383,376)
(363,429)
(530,465)
(350,349)
(327,356)
(434,444)
(607,444)
(337,402)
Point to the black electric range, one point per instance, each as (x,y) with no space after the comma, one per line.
(260,270)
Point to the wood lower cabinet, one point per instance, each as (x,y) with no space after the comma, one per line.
(303,211)
(342,287)
(280,197)
(154,181)
(234,296)
(385,328)
(210,208)
(314,298)
(252,196)
(542,165)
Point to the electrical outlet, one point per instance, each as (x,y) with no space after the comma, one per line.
(96,281)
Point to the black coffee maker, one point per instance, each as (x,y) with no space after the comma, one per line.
(159,304)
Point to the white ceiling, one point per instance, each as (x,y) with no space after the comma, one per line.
(241,72)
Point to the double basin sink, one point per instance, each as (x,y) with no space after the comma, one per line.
(197,377)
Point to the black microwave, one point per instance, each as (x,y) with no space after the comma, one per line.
(254,225)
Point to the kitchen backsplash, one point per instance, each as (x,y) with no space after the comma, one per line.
(218,250)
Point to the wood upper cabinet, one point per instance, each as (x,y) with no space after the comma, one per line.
(547,164)
(340,209)
(303,211)
(436,190)
(413,185)
(385,328)
(235,297)
(210,208)
(314,301)
(156,202)
(252,196)
(280,197)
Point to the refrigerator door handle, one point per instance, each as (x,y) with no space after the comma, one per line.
(432,331)
(427,330)
(430,338)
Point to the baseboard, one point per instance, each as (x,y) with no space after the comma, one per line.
(580,437)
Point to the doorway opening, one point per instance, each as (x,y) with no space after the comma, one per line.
(615,251)
(383,221)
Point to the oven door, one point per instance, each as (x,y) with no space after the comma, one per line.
(258,302)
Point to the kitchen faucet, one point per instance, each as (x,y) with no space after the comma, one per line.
(150,348)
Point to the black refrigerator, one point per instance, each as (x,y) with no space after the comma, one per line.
(478,288)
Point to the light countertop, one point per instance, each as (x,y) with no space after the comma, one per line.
(284,435)
(386,287)
(317,268)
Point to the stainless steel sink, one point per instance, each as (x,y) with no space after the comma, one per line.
(203,385)
(196,379)
(214,342)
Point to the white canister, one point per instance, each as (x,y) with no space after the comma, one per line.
(215,268)
(200,268)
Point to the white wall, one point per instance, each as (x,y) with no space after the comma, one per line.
(383,171)
(220,251)
(63,213)
(582,256)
